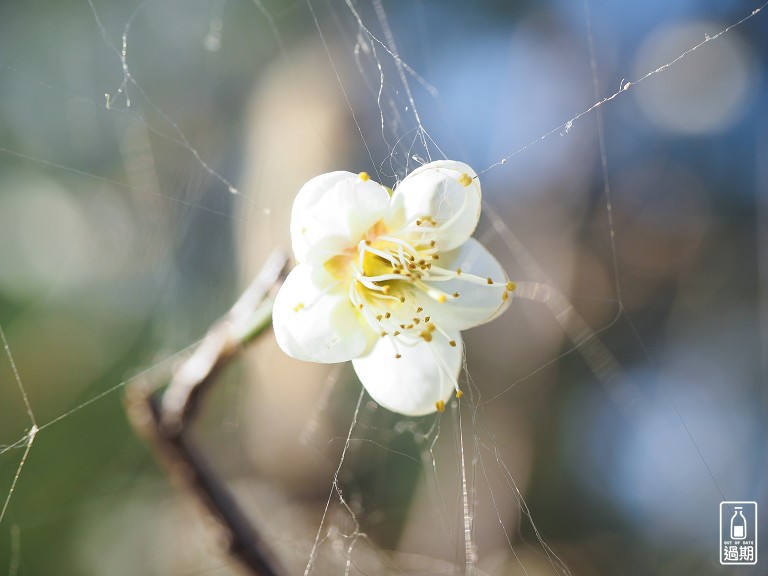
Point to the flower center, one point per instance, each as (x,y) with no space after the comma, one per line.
(388,275)
(388,271)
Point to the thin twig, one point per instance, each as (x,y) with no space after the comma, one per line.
(162,417)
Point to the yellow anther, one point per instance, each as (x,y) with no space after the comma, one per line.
(442,298)
(298,307)
(431,327)
(387,315)
(504,296)
(385,289)
(379,317)
(418,222)
(452,343)
(402,299)
(383,333)
(364,176)
(419,309)
(398,355)
(435,257)
(464,179)
(459,393)
(458,271)
(367,242)
(416,320)
(511,286)
(432,243)
(456,294)
(426,335)
(409,326)
(359,306)
(426,318)
(440,405)
(489,281)
(396,333)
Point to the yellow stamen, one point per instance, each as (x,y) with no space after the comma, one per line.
(459,393)
(490,281)
(298,307)
(458,271)
(464,179)
(419,309)
(398,356)
(440,405)
(426,335)
(364,176)
(455,294)
(452,343)
(511,286)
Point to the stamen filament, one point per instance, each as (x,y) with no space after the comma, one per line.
(434,293)
(387,256)
(400,242)
(445,274)
(368,283)
(385,277)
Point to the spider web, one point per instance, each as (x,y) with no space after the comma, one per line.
(607,413)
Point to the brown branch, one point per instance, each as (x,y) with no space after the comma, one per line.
(162,417)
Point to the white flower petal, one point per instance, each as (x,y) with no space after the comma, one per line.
(314,320)
(411,385)
(332,212)
(445,190)
(478,301)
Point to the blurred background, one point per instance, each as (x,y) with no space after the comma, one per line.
(149,155)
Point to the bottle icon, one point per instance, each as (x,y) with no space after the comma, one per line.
(738,524)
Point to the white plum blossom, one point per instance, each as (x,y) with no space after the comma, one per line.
(388,279)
